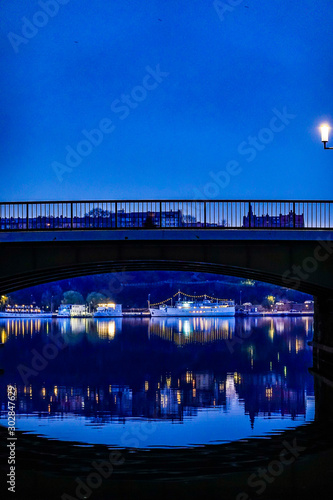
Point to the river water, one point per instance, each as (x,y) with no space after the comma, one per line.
(161,382)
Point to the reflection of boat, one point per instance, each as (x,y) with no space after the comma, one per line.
(107,328)
(24,312)
(195,308)
(73,311)
(192,330)
(109,310)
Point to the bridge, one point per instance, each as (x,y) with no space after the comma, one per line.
(288,243)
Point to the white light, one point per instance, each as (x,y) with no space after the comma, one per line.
(324,133)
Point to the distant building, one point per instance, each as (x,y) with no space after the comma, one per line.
(248,306)
(288,306)
(289,220)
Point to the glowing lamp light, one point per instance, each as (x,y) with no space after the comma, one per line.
(324,129)
(324,133)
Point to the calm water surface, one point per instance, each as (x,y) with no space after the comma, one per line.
(161,382)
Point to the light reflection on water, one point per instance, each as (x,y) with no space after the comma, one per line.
(160,382)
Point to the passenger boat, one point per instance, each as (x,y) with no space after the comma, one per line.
(108,310)
(23,311)
(205,307)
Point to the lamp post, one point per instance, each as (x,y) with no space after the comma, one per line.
(324,135)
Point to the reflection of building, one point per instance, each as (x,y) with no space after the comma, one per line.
(123,379)
(288,220)
(269,394)
(169,397)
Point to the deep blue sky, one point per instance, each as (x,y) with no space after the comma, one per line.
(225,78)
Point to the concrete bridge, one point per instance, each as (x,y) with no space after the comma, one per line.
(288,243)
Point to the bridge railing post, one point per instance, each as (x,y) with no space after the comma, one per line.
(294,215)
(205,214)
(71,215)
(27,215)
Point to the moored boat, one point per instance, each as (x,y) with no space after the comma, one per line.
(108,310)
(201,308)
(24,311)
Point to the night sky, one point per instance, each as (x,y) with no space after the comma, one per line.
(187,96)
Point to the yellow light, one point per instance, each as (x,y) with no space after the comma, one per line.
(269,392)
(3,336)
(179,397)
(112,329)
(108,305)
(324,132)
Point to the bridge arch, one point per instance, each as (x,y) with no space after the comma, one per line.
(278,257)
(38,277)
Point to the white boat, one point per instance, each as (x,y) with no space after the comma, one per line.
(108,310)
(23,311)
(73,311)
(195,308)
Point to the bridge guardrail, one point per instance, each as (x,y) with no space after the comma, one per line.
(166,214)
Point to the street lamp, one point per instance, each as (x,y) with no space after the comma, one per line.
(324,135)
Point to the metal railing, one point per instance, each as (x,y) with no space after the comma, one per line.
(233,214)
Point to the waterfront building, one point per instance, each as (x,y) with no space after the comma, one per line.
(72,311)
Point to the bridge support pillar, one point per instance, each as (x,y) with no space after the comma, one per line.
(322,342)
(323,389)
(323,321)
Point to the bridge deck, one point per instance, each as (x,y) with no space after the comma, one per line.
(168,235)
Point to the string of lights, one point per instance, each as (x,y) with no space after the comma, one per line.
(187,295)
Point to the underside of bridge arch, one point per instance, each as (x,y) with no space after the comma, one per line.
(38,277)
